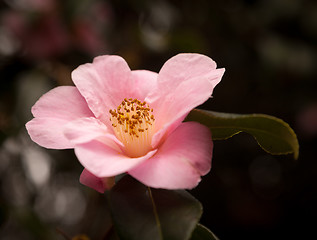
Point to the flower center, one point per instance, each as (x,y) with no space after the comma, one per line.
(133,123)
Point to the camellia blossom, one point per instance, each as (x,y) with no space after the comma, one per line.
(122,121)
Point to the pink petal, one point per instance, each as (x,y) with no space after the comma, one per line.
(84,130)
(184,82)
(63,102)
(52,112)
(107,81)
(165,131)
(48,133)
(145,81)
(104,161)
(104,84)
(99,184)
(180,161)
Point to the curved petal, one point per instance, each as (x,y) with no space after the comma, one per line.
(48,133)
(99,184)
(64,102)
(163,133)
(180,161)
(104,161)
(84,130)
(184,82)
(52,112)
(107,81)
(146,82)
(103,83)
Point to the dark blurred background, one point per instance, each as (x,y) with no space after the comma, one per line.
(268,48)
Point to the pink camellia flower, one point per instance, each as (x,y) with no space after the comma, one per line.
(123,121)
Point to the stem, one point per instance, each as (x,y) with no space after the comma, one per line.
(155,213)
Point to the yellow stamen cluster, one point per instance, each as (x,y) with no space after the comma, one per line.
(133,122)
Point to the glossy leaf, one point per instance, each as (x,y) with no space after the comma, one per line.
(272,134)
(203,233)
(143,213)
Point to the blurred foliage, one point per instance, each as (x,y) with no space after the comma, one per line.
(141,213)
(268,48)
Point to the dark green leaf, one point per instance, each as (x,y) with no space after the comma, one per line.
(203,233)
(139,212)
(272,134)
